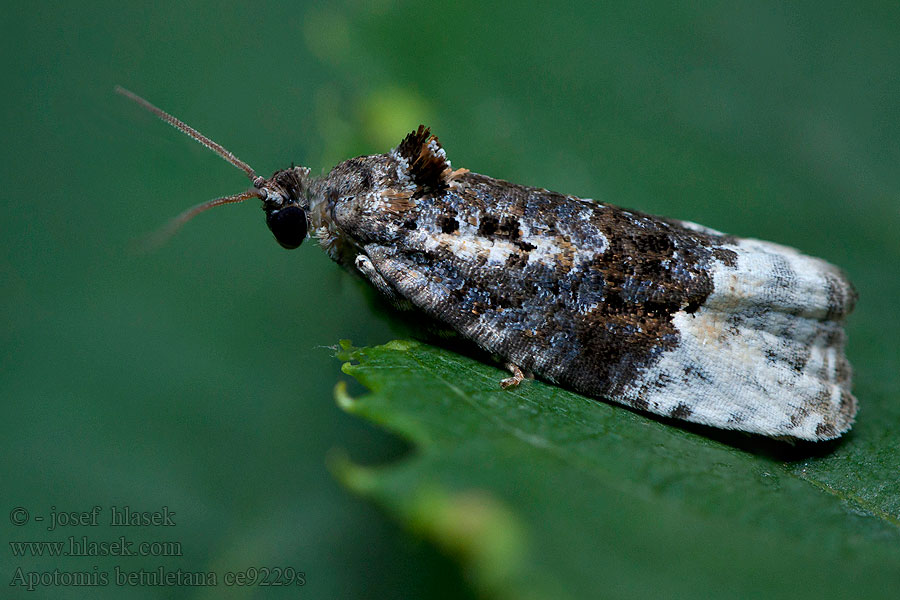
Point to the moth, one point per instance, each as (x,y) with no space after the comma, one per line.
(661,315)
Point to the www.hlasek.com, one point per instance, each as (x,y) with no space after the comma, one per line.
(82,546)
(251,576)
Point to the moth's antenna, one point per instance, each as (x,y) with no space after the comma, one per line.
(169,229)
(185,128)
(162,235)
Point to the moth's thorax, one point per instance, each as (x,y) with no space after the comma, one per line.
(366,192)
(359,202)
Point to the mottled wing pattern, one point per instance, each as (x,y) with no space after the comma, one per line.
(660,315)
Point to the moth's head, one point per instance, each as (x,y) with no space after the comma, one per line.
(365,197)
(285,195)
(285,198)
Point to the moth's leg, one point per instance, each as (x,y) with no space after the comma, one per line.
(365,266)
(517,376)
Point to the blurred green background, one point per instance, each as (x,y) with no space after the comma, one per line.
(199,377)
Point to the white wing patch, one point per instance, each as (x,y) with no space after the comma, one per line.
(764,354)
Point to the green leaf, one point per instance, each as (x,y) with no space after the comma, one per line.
(541,493)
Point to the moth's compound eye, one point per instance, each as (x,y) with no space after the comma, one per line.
(289,225)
